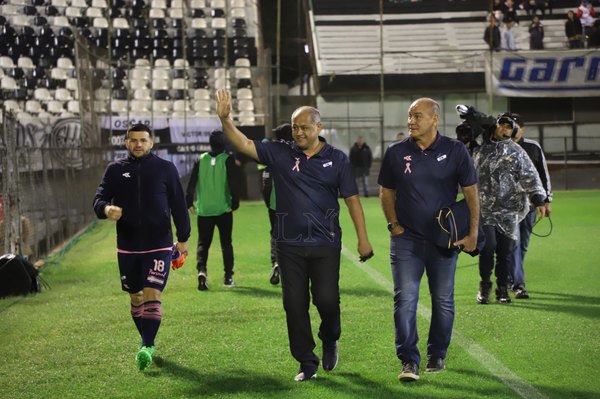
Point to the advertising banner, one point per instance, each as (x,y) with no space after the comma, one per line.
(541,73)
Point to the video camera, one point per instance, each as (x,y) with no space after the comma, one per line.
(475,124)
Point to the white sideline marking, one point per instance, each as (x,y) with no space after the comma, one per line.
(486,359)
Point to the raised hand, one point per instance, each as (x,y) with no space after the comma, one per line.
(223,97)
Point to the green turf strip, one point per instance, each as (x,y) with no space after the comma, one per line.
(77,339)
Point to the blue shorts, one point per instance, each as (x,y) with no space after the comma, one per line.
(140,270)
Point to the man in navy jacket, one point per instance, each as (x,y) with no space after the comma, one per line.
(310,176)
(141,193)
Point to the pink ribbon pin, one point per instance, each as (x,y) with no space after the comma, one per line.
(297,165)
(407,170)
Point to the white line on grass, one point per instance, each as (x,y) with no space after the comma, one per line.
(494,366)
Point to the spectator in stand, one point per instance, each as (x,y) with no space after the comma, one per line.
(533,5)
(594,40)
(510,12)
(498,10)
(508,37)
(586,14)
(491,35)
(400,136)
(574,30)
(536,34)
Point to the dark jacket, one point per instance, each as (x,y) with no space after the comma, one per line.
(361,157)
(536,37)
(573,28)
(536,154)
(494,41)
(149,191)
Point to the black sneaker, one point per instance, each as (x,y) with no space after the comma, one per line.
(202,285)
(435,364)
(502,294)
(485,289)
(305,374)
(228,282)
(330,355)
(274,279)
(521,293)
(410,372)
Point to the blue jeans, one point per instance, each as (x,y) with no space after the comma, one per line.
(525,228)
(409,258)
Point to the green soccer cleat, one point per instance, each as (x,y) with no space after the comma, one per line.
(144,357)
(151,349)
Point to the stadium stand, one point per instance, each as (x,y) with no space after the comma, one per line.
(436,39)
(160,51)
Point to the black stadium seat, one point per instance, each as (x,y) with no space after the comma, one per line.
(40,21)
(114,12)
(29,83)
(16,73)
(20,94)
(200,83)
(120,93)
(138,23)
(29,10)
(240,32)
(161,95)
(217,13)
(52,11)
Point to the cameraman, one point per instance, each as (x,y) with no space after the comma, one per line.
(507,178)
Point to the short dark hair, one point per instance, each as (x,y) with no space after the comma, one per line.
(518,119)
(139,127)
(283,132)
(217,141)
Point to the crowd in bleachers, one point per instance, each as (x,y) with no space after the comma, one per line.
(582,28)
(159,56)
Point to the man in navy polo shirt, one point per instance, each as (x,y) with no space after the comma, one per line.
(310,176)
(419,176)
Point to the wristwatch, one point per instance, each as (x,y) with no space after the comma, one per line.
(393,225)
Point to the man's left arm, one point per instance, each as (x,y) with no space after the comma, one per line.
(469,243)
(358,218)
(545,178)
(532,184)
(179,211)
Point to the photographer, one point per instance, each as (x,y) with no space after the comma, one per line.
(508,180)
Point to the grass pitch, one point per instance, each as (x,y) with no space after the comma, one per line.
(77,339)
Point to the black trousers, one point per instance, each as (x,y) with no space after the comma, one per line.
(306,270)
(206,229)
(503,247)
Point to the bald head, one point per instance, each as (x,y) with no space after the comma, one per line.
(315,115)
(306,126)
(423,119)
(429,103)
